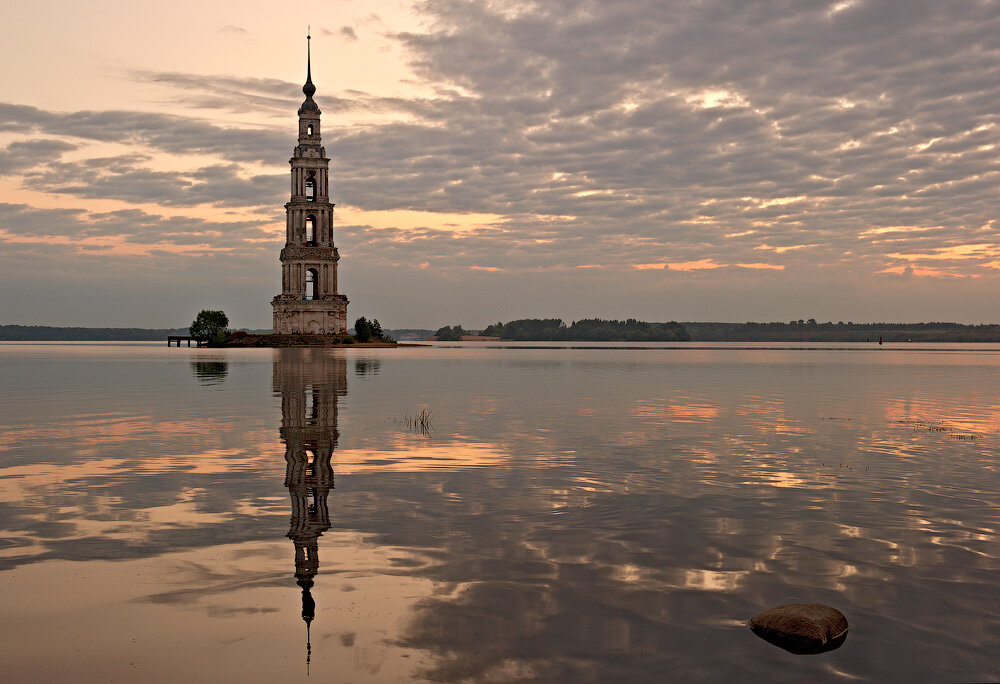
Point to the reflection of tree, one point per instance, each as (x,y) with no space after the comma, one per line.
(210,372)
(367,366)
(309,382)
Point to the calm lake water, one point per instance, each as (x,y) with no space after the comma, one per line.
(571,515)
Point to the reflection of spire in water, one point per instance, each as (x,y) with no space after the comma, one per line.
(309,382)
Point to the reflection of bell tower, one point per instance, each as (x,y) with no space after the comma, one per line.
(309,382)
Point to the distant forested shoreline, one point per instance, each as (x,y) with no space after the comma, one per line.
(47,333)
(632,330)
(812,331)
(588,329)
(593,329)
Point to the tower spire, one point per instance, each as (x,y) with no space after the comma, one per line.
(308,613)
(309,89)
(309,649)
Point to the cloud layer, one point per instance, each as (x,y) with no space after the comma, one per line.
(642,153)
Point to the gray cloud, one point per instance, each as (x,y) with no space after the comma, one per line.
(120,178)
(19,156)
(129,225)
(604,97)
(227,92)
(175,134)
(253,95)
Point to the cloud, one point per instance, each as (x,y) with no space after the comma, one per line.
(120,178)
(256,96)
(127,225)
(259,95)
(19,156)
(607,116)
(166,132)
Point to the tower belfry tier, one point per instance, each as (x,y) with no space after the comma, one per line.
(309,302)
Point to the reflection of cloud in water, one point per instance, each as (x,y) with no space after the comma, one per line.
(78,433)
(930,416)
(695,412)
(556,540)
(416,456)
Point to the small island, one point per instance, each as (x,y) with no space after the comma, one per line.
(242,339)
(211,328)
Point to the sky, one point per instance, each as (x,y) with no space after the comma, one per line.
(698,160)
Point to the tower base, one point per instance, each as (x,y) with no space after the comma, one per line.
(310,316)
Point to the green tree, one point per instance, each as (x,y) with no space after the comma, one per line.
(210,325)
(363,329)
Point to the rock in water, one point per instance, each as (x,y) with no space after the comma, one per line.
(803,628)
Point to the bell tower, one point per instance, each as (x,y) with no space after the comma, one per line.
(309,302)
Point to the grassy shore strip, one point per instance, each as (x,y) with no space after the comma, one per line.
(298,340)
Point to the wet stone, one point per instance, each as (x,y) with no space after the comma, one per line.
(802,628)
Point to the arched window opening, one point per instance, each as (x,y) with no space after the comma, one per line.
(309,129)
(310,229)
(311,189)
(311,277)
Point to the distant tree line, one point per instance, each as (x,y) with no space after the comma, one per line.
(812,331)
(830,325)
(47,333)
(588,329)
